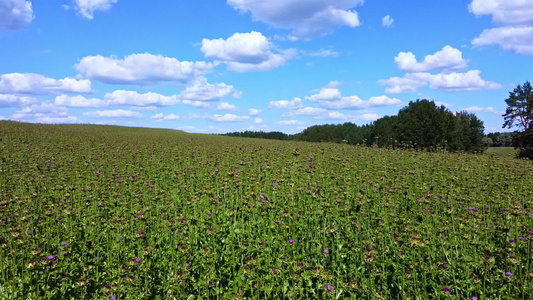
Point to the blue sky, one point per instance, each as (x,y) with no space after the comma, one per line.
(214,66)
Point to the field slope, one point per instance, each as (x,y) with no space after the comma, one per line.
(103,212)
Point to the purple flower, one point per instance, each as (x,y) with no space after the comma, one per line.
(329,287)
(51,257)
(278,222)
(210,213)
(325,251)
(521,238)
(528,212)
(310,157)
(461,203)
(139,216)
(216,171)
(274,271)
(97,172)
(31,233)
(298,263)
(120,237)
(530,232)
(137,260)
(112,298)
(509,274)
(444,267)
(63,243)
(474,298)
(120,181)
(446,289)
(311,166)
(511,240)
(187,266)
(291,241)
(49,165)
(261,196)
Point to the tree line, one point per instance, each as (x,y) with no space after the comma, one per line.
(422,125)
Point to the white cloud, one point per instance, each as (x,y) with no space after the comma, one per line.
(122,97)
(459,82)
(158,116)
(188,128)
(15,14)
(450,82)
(330,97)
(227,118)
(226,106)
(201,90)
(285,104)
(490,110)
(197,104)
(86,8)
(514,39)
(448,58)
(43,109)
(517,17)
(290,122)
(368,117)
(172,117)
(30,83)
(315,112)
(324,53)
(141,69)
(246,52)
(506,12)
(78,101)
(16,101)
(258,127)
(305,17)
(387,21)
(258,121)
(254,112)
(117,113)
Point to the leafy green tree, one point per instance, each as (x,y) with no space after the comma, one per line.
(519,113)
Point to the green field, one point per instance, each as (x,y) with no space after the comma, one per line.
(103,212)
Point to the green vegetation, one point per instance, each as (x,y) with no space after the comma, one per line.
(103,212)
(421,125)
(519,112)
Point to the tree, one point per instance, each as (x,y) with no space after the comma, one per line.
(519,112)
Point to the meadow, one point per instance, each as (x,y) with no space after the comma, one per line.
(107,212)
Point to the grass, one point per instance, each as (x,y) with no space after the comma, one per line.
(96,212)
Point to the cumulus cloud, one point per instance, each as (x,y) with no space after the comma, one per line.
(30,83)
(45,112)
(296,103)
(306,18)
(141,69)
(368,117)
(449,82)
(86,8)
(516,16)
(258,121)
(227,118)
(117,113)
(330,97)
(78,101)
(197,104)
(122,97)
(158,116)
(507,12)
(448,58)
(246,52)
(15,14)
(226,106)
(387,21)
(171,117)
(514,39)
(254,112)
(478,109)
(201,90)
(16,101)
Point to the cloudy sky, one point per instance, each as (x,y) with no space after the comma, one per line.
(214,66)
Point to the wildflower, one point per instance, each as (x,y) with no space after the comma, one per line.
(530,232)
(521,238)
(210,213)
(31,233)
(51,257)
(216,171)
(136,260)
(120,181)
(261,196)
(274,271)
(298,263)
(112,298)
(329,287)
(291,241)
(509,274)
(187,266)
(511,240)
(474,298)
(63,243)
(97,172)
(278,222)
(446,289)
(311,166)
(444,267)
(325,251)
(310,157)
